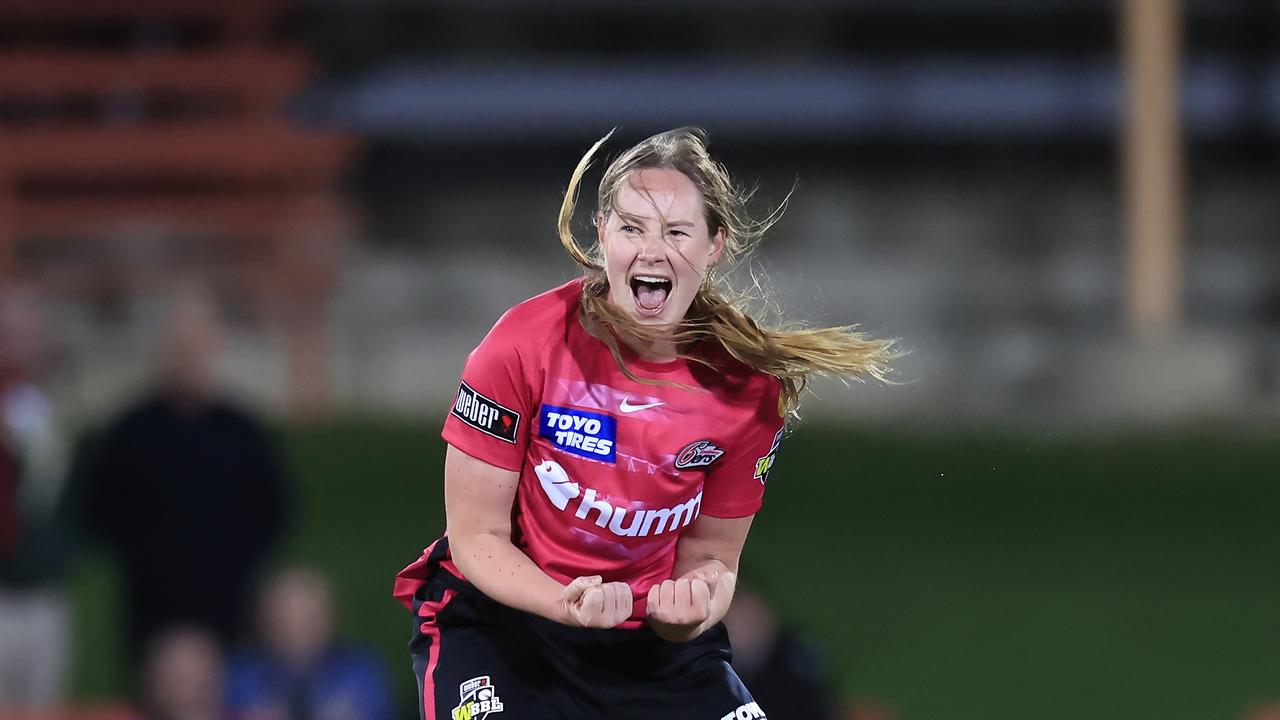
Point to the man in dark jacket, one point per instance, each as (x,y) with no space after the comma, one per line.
(187,491)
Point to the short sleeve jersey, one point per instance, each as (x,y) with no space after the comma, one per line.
(611,470)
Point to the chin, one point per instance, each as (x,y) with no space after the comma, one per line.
(651,321)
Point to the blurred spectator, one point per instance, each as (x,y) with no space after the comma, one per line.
(182,677)
(186,490)
(298,669)
(787,676)
(34,537)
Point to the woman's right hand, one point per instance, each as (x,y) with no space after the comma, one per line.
(591,602)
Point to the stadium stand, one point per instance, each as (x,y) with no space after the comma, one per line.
(147,140)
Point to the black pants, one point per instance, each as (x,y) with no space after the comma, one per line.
(476,658)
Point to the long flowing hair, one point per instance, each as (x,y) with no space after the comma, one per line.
(718,312)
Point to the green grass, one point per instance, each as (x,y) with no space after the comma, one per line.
(948,576)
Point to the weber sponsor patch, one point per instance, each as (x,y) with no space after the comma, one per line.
(485,414)
(765,464)
(585,434)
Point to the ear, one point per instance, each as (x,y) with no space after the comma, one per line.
(717,247)
(600,221)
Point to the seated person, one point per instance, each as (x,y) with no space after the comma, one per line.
(787,674)
(182,676)
(298,670)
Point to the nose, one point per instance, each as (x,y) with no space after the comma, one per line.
(649,247)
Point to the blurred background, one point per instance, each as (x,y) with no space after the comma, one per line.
(245,247)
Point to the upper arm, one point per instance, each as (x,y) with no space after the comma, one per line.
(490,415)
(713,538)
(477,496)
(735,484)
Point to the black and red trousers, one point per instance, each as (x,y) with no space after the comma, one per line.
(477,659)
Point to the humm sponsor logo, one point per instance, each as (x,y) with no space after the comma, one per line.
(561,490)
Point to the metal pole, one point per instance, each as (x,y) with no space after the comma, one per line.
(1152,167)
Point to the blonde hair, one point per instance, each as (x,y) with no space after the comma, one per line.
(718,312)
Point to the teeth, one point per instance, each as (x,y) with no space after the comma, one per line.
(650,279)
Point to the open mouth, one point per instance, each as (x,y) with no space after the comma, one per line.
(650,292)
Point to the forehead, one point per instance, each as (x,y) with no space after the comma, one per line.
(653,192)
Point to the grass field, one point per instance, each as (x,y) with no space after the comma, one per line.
(951,577)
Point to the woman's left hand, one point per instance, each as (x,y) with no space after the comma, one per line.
(679,608)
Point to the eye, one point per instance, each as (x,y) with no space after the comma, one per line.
(681,233)
(630,229)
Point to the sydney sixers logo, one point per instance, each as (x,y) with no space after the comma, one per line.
(699,453)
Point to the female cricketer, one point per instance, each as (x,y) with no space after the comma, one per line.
(608,447)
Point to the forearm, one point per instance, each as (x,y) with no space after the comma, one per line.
(504,573)
(690,565)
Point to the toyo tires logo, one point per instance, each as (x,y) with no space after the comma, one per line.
(580,432)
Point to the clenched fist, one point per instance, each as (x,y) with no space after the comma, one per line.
(678,608)
(591,602)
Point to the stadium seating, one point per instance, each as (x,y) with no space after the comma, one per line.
(144,141)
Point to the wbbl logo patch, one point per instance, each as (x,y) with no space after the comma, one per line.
(585,434)
(478,698)
(485,415)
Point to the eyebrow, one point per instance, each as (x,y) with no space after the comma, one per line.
(639,220)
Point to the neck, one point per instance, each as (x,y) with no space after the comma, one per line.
(661,351)
(660,346)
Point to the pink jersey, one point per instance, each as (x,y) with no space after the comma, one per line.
(611,470)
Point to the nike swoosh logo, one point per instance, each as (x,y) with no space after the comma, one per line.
(627,407)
